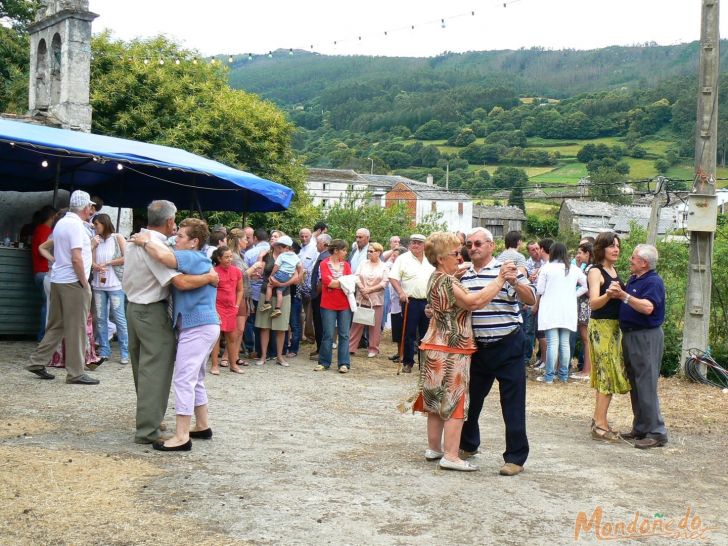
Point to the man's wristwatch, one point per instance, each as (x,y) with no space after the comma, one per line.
(627,298)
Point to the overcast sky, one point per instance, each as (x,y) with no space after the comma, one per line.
(243,26)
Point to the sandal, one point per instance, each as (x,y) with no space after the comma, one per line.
(224,363)
(241,362)
(606,435)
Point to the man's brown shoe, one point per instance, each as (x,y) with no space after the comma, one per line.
(631,435)
(510,469)
(647,443)
(464,454)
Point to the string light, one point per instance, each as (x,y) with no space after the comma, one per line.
(44,163)
(119,167)
(441,22)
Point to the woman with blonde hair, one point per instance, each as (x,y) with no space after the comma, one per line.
(608,374)
(447,345)
(372,278)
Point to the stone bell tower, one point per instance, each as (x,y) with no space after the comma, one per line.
(60,63)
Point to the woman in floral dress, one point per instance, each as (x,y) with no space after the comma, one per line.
(447,345)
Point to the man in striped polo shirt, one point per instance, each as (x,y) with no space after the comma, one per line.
(500,340)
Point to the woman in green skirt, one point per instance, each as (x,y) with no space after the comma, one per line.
(608,375)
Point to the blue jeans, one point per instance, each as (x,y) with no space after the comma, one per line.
(558,346)
(295,325)
(118,317)
(330,320)
(38,278)
(529,330)
(387,305)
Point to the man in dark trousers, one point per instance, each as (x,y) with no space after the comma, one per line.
(322,244)
(500,340)
(640,317)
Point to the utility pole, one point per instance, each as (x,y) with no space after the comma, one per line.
(702,208)
(655,213)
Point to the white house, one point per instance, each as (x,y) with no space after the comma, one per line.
(329,186)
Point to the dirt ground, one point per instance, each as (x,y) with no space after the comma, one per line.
(323,458)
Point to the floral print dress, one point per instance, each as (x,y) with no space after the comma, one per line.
(447,346)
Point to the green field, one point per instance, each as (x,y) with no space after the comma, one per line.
(569,171)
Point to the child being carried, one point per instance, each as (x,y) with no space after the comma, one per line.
(283,270)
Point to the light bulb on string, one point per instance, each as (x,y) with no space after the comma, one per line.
(194,60)
(442,21)
(212,61)
(44,163)
(290,51)
(250,56)
(270,54)
(146,61)
(161,61)
(176,61)
(230,59)
(413,27)
(119,167)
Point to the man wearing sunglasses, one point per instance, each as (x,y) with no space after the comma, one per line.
(500,340)
(409,277)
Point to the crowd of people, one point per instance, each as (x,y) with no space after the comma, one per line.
(178,297)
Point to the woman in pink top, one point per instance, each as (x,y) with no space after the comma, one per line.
(372,279)
(229,296)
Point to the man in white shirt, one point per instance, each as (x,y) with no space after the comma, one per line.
(409,277)
(70,299)
(359,250)
(308,255)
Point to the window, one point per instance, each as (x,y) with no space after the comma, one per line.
(496,230)
(325,203)
(323,186)
(433,206)
(461,208)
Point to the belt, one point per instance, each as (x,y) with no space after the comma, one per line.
(639,328)
(417,299)
(482,343)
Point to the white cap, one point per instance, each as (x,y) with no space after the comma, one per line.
(284,240)
(80,199)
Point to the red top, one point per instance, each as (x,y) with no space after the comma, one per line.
(333,299)
(227,285)
(40,236)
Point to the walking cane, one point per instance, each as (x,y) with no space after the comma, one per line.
(402,337)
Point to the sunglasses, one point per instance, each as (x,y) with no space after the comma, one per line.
(476,244)
(456,253)
(370,251)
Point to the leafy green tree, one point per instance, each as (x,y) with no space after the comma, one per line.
(606,185)
(431,130)
(190,106)
(15,15)
(516,197)
(509,177)
(662,166)
(348,215)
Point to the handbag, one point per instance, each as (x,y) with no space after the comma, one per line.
(118,269)
(364,315)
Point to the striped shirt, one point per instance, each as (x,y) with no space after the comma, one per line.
(502,315)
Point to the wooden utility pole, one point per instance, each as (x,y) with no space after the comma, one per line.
(652,227)
(702,205)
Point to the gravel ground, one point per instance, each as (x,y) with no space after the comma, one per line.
(324,458)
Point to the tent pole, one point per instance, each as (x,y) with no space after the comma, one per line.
(56,183)
(118,208)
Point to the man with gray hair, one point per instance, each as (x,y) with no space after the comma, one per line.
(152,344)
(70,299)
(640,318)
(359,249)
(322,246)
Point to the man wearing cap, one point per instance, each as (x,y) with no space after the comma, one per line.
(70,299)
(409,277)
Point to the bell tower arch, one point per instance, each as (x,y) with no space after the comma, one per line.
(60,63)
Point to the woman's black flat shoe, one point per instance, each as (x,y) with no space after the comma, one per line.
(201,434)
(159,446)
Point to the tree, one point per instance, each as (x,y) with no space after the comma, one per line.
(509,177)
(516,197)
(15,15)
(606,185)
(190,106)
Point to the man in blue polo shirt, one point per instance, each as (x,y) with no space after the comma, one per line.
(640,317)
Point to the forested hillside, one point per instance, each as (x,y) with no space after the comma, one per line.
(493,120)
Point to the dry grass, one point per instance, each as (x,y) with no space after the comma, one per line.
(72,497)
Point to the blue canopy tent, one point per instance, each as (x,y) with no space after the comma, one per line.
(127,173)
